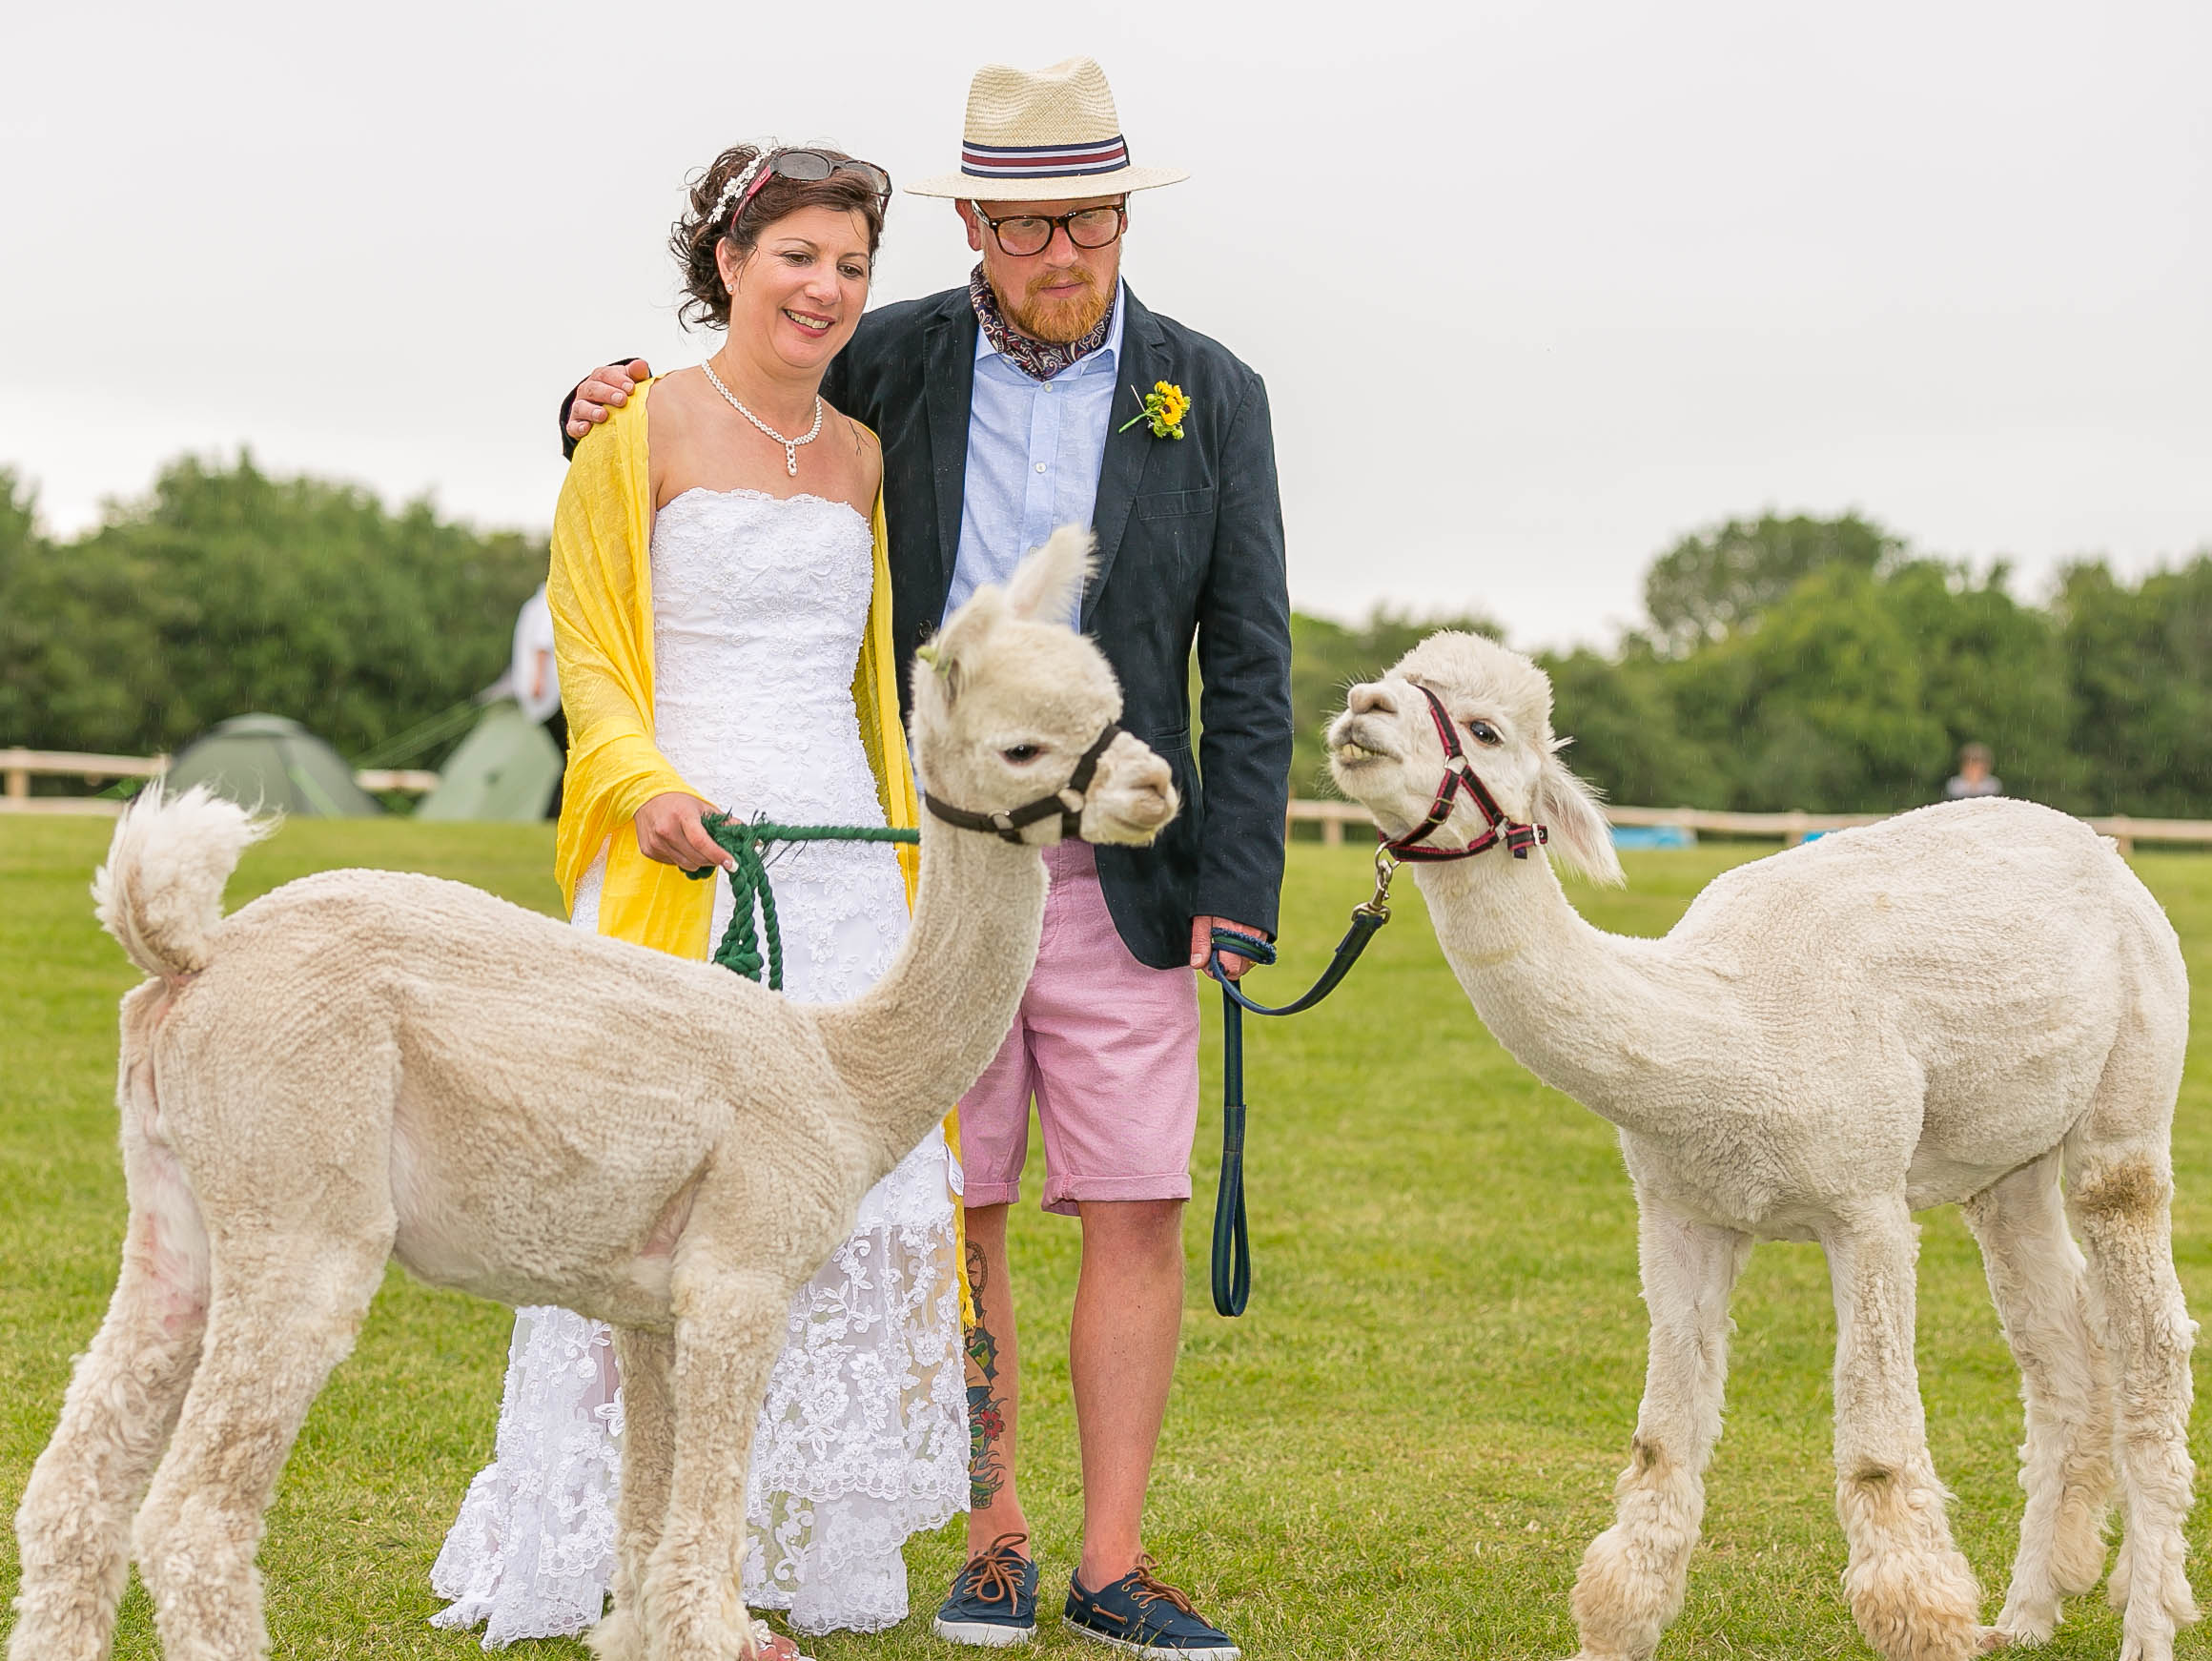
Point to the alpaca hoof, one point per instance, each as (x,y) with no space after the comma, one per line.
(1993,1639)
(617,1638)
(2027,1621)
(2157,1604)
(1916,1607)
(2009,1635)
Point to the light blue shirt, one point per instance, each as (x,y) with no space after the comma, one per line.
(1034,448)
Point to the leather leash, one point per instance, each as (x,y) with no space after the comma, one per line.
(1232,1256)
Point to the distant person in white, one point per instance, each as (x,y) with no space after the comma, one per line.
(536,682)
(1973,777)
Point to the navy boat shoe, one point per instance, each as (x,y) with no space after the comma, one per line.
(1141,1613)
(994,1601)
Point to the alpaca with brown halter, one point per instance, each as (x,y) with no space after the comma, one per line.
(1961,1005)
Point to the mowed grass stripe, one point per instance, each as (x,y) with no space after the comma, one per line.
(1400,1450)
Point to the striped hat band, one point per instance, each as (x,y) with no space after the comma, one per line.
(1023,161)
(1042,135)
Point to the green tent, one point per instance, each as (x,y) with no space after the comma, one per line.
(504,770)
(269,762)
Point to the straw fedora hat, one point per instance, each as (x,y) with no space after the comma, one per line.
(1039,136)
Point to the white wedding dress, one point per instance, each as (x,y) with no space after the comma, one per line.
(759,604)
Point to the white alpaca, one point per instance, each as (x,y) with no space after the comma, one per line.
(350,1068)
(1952,1006)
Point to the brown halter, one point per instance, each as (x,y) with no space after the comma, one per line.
(1459,774)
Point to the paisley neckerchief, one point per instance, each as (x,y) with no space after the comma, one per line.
(1038,359)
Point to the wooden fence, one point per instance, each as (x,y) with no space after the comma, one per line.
(18,766)
(1791,828)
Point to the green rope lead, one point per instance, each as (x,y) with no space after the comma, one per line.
(747,840)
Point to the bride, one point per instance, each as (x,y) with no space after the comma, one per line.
(721,612)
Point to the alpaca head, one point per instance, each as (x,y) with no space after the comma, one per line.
(1008,698)
(1384,752)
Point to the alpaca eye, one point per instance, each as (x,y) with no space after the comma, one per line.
(1484,732)
(1020,754)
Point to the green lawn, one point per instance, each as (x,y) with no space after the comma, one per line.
(1399,1452)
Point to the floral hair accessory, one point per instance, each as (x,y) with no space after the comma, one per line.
(1164,407)
(735,189)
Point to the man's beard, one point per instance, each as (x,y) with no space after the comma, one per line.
(1059,322)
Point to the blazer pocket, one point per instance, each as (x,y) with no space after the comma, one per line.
(1176,504)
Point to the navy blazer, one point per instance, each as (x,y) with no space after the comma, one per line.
(1190,547)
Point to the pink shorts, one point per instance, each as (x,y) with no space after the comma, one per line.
(1109,1048)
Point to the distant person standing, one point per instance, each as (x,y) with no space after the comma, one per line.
(535,680)
(533,675)
(1973,777)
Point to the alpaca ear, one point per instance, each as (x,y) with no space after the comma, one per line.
(1050,582)
(948,656)
(1581,841)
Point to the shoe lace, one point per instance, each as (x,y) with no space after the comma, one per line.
(1149,1589)
(995,1573)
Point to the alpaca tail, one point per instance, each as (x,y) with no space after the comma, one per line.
(161,891)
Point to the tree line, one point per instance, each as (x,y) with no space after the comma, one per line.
(1823,665)
(1787,662)
(225,591)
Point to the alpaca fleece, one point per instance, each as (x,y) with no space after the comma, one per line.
(1963,1004)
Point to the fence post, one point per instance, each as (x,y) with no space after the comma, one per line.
(1332,831)
(2121,835)
(1794,827)
(18,784)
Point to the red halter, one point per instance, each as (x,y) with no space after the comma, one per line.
(1459,774)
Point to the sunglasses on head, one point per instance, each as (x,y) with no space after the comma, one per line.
(809,166)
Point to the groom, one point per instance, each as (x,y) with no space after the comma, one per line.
(1007,407)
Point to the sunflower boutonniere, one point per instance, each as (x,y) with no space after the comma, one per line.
(1164,407)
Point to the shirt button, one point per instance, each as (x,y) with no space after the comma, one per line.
(1040,466)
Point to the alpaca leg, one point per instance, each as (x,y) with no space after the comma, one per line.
(73,1528)
(645,1360)
(2119,1201)
(730,1321)
(2036,1279)
(1910,1591)
(1632,1576)
(285,1312)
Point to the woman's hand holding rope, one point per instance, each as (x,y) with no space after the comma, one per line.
(669,831)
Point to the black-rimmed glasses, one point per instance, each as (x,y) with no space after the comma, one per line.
(1021,234)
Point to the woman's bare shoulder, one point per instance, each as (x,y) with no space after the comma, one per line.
(866,451)
(675,402)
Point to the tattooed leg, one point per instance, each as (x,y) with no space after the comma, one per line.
(994,1384)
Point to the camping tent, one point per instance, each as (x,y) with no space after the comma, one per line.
(268,762)
(505,769)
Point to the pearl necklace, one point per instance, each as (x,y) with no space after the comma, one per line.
(790,445)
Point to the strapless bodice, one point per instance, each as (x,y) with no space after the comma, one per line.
(759,606)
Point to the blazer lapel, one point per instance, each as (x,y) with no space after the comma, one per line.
(949,386)
(1143,362)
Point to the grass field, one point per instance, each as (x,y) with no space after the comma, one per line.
(1399,1452)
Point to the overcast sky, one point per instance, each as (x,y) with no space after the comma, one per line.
(1536,288)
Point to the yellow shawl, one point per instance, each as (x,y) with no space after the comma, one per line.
(601,593)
